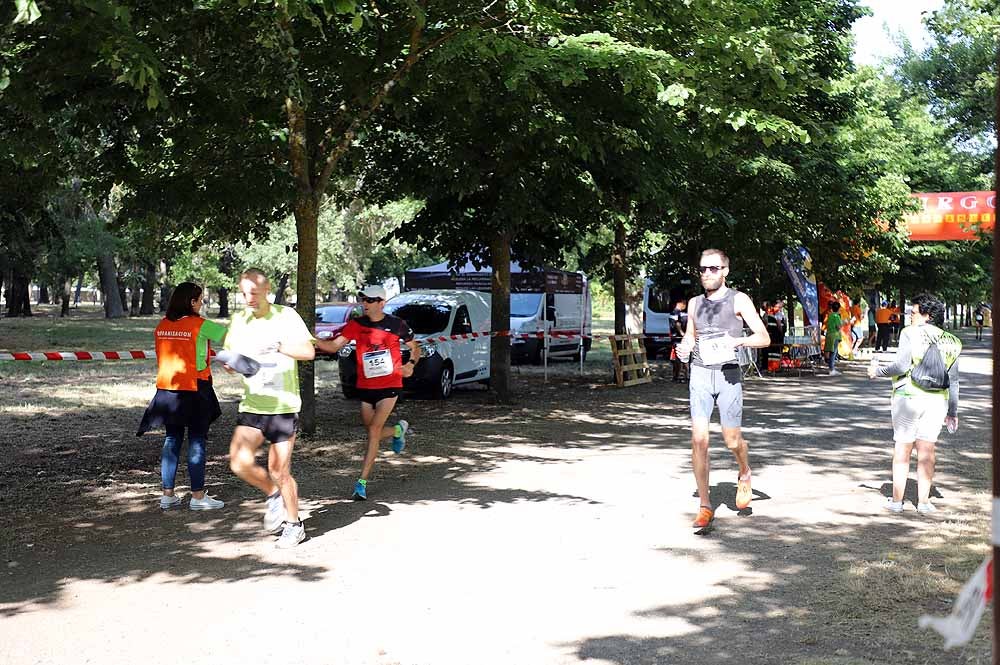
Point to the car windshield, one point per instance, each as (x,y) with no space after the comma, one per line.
(524,304)
(423,318)
(333,314)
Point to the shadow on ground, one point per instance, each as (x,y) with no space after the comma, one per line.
(78,497)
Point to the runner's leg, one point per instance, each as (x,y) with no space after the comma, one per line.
(702,402)
(242,448)
(900,469)
(926,459)
(733,436)
(279,468)
(374,418)
(700,460)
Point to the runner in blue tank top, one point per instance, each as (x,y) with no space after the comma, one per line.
(714,334)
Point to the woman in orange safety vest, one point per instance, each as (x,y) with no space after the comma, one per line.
(184,396)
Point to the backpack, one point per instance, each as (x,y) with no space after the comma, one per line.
(931,373)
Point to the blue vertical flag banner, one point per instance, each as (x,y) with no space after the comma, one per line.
(798,265)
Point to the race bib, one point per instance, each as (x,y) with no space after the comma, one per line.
(716,349)
(376,363)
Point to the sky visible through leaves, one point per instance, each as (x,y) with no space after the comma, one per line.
(898,16)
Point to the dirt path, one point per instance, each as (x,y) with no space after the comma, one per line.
(555,531)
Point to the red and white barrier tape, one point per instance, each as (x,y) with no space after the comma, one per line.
(78,355)
(151,355)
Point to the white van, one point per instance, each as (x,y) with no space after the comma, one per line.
(541,300)
(445,364)
(568,313)
(657,304)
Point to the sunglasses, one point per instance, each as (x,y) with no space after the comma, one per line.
(712,269)
(370,300)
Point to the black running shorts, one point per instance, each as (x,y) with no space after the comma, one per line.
(375,395)
(276,428)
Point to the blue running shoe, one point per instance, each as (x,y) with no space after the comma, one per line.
(360,490)
(399,437)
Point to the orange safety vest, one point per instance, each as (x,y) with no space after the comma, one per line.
(177,353)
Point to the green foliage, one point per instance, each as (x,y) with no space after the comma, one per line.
(957,74)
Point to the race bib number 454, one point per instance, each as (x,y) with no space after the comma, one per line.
(716,349)
(376,364)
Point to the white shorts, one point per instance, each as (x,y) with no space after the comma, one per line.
(918,417)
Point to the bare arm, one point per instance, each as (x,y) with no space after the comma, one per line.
(953,381)
(414,347)
(332,345)
(301,350)
(745,310)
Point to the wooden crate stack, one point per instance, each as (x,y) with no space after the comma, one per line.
(628,356)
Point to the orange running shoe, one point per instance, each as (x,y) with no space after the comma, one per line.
(705,517)
(743,492)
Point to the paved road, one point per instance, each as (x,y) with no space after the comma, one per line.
(552,533)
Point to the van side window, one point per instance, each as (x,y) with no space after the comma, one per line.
(659,300)
(463,324)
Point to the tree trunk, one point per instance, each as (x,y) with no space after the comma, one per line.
(43,295)
(307,229)
(113,308)
(122,291)
(619,276)
(133,309)
(225,267)
(148,290)
(165,287)
(500,316)
(223,303)
(19,295)
(279,291)
(67,290)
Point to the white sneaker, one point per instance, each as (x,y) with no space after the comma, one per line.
(926,508)
(205,503)
(274,513)
(894,506)
(291,535)
(168,502)
(834,372)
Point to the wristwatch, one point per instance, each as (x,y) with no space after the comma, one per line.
(411,361)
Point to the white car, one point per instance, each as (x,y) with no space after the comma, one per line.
(445,363)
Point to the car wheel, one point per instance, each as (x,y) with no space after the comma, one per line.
(445,382)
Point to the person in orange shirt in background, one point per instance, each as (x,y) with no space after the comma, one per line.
(895,321)
(184,396)
(857,333)
(882,323)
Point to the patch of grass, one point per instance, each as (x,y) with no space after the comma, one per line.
(83,333)
(878,598)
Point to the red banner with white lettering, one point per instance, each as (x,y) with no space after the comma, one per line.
(952,215)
